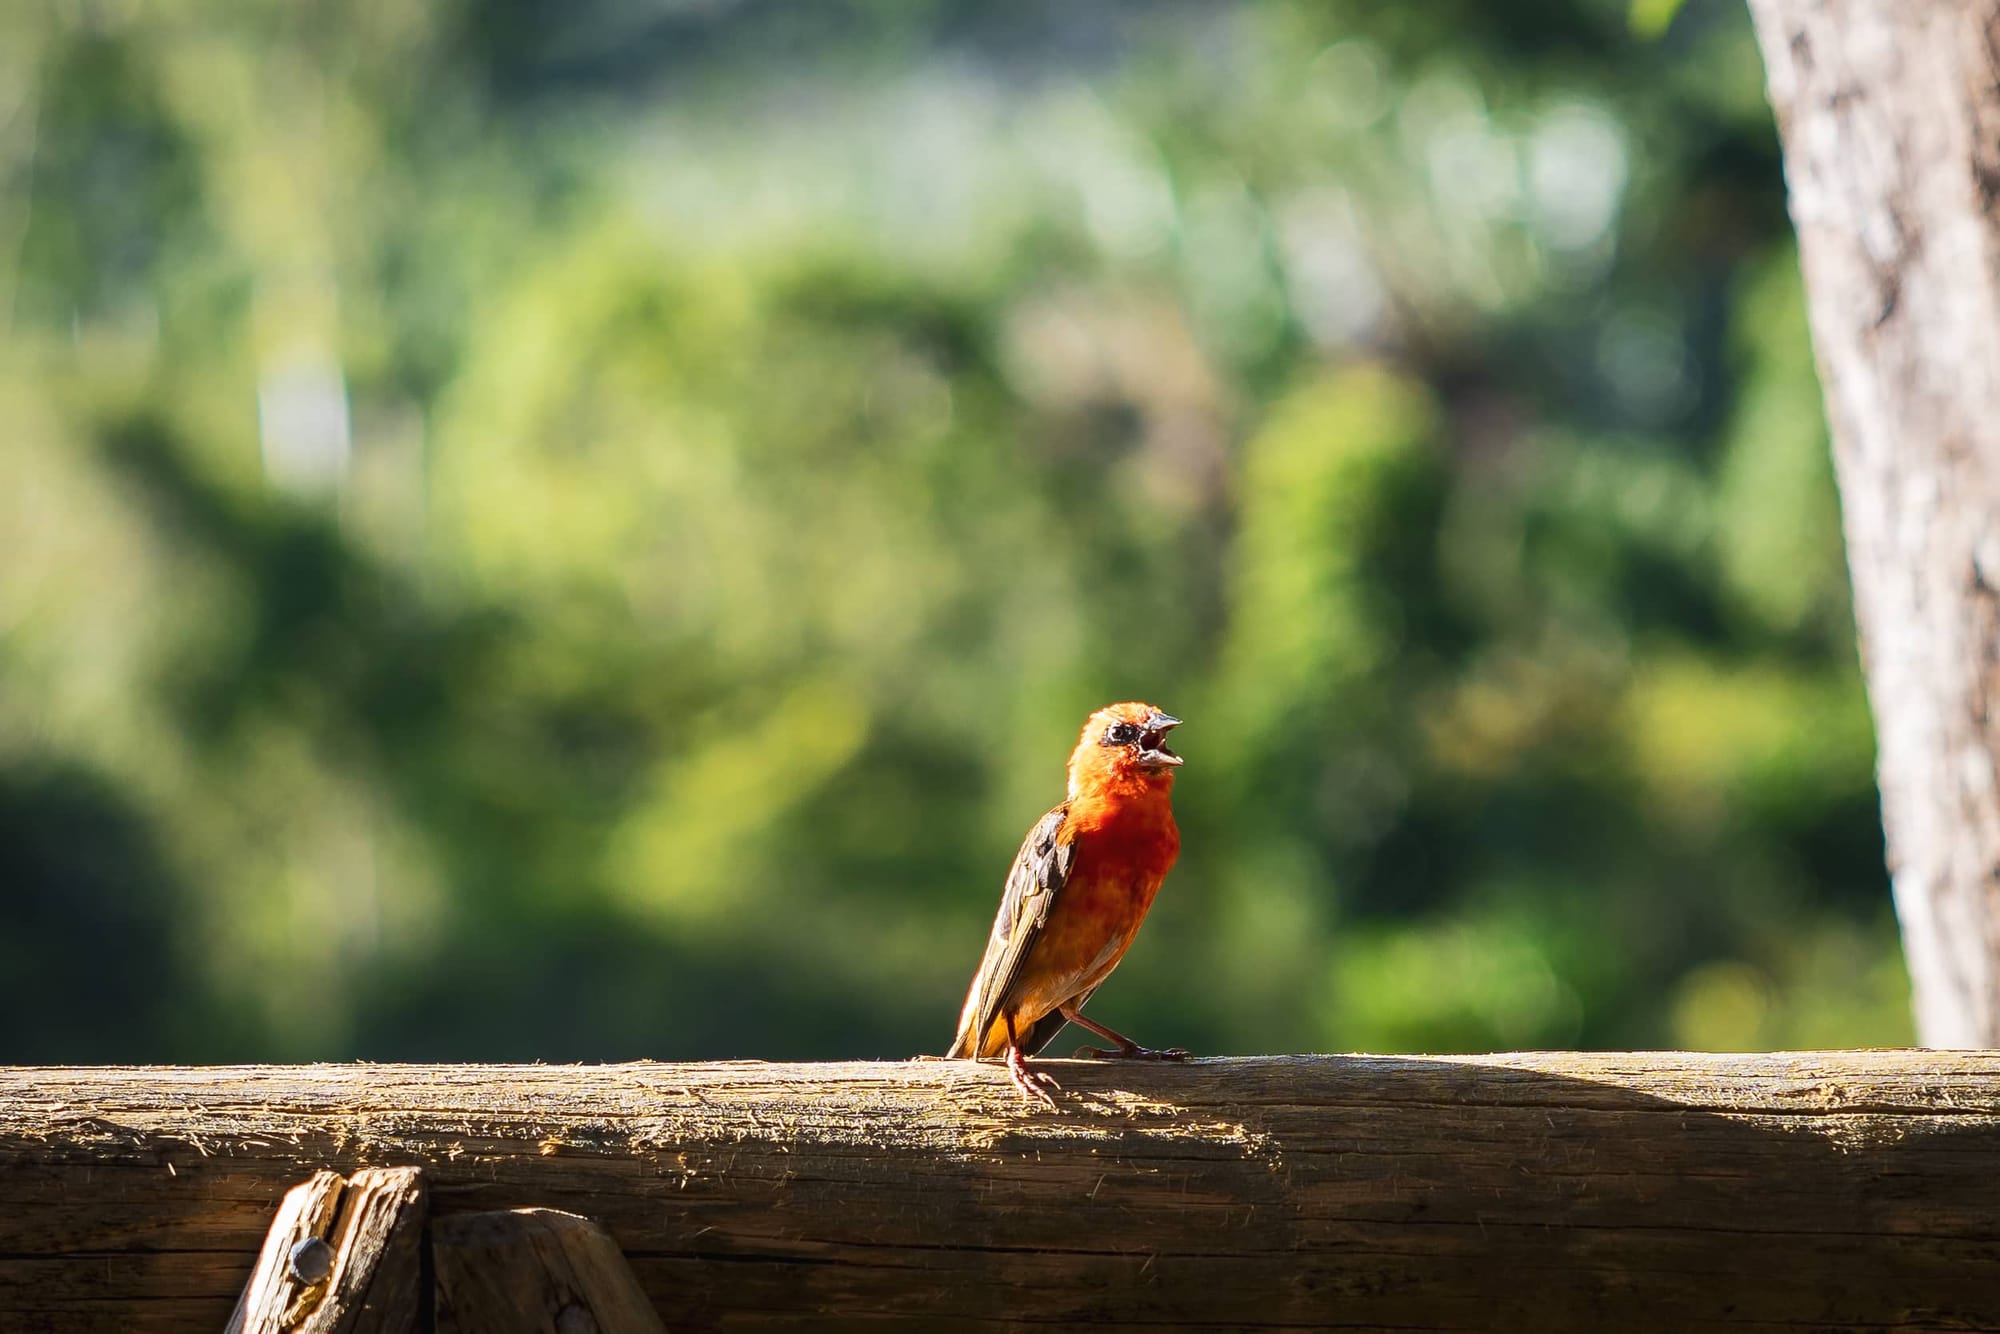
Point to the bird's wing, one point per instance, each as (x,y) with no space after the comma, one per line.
(1037,876)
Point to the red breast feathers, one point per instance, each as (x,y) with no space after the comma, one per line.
(1121,777)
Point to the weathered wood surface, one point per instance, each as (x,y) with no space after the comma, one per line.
(1890,115)
(534,1271)
(366,1277)
(1554,1192)
(276,1297)
(377,1277)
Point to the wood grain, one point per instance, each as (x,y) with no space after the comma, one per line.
(534,1271)
(1847,1190)
(274,1299)
(372,1232)
(376,1285)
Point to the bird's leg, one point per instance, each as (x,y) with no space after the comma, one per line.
(1035,1085)
(1127,1050)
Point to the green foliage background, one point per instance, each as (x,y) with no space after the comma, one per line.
(586,531)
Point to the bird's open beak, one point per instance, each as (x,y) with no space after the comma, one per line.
(1155,751)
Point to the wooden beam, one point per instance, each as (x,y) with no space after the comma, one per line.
(1853,1190)
(342,1257)
(534,1271)
(295,1262)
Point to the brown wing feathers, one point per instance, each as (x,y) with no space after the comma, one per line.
(1037,876)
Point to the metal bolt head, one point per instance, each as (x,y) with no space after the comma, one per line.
(311,1261)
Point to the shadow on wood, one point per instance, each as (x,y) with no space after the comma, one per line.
(534,1271)
(1543,1192)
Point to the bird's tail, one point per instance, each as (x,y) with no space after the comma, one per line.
(965,1046)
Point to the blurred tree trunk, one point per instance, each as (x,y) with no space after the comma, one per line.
(1889,111)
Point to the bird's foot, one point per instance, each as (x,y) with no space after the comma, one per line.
(1135,1052)
(1035,1085)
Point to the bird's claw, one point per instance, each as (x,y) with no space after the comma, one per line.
(1035,1085)
(1132,1053)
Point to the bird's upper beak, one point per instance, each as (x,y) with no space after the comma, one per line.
(1155,750)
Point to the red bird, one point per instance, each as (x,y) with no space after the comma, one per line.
(1079,888)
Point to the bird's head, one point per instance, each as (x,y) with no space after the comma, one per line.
(1124,745)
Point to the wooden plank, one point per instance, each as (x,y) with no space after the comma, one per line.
(342,1257)
(275,1297)
(1558,1191)
(375,1284)
(534,1271)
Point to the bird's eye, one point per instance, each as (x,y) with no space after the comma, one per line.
(1123,734)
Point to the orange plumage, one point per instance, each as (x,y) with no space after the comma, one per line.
(1076,894)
